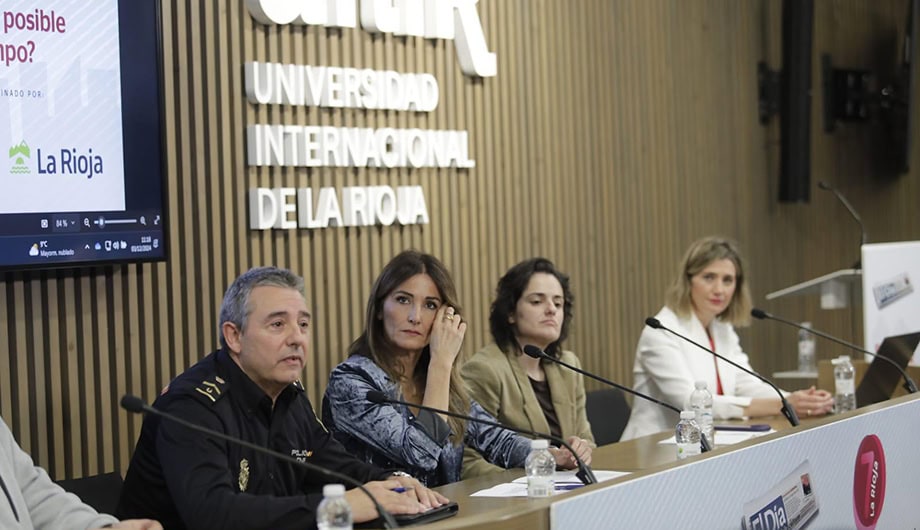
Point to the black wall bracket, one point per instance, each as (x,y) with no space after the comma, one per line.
(768,97)
(848,94)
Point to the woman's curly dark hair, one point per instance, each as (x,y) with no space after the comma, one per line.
(510,289)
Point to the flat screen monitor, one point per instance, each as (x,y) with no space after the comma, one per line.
(81,179)
(881,378)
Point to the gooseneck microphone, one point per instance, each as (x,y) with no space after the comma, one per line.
(537,353)
(787,410)
(139,406)
(908,382)
(862,228)
(585,475)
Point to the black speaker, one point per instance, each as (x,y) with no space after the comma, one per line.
(795,101)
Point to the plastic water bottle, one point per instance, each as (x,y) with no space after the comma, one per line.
(333,513)
(541,470)
(701,404)
(688,435)
(806,350)
(845,384)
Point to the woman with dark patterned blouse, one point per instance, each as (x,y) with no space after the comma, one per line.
(409,349)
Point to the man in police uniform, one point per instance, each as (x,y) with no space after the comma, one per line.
(250,389)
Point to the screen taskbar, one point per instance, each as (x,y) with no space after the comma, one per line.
(71,239)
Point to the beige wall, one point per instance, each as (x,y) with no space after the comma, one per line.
(616,132)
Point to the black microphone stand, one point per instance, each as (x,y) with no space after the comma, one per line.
(846,204)
(909,384)
(537,353)
(584,474)
(787,410)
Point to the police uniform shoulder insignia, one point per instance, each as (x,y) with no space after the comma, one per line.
(244,474)
(211,388)
(319,421)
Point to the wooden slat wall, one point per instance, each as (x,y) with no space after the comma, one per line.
(616,132)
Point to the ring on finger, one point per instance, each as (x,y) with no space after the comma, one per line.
(449,316)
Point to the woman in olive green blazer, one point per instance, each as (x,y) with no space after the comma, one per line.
(533,305)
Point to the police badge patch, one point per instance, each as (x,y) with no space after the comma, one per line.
(244,474)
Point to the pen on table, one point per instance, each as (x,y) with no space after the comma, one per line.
(567,487)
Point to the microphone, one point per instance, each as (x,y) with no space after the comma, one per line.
(787,410)
(537,353)
(862,228)
(139,406)
(585,475)
(908,382)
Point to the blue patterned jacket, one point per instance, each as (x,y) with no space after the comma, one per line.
(391,436)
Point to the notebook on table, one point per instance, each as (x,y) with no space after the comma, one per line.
(435,514)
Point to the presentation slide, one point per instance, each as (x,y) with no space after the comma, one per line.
(60,107)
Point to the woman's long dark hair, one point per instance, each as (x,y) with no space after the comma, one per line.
(375,344)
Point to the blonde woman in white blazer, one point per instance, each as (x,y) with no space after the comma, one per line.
(705,302)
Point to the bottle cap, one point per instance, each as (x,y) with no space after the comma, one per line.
(688,415)
(333,490)
(700,385)
(539,444)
